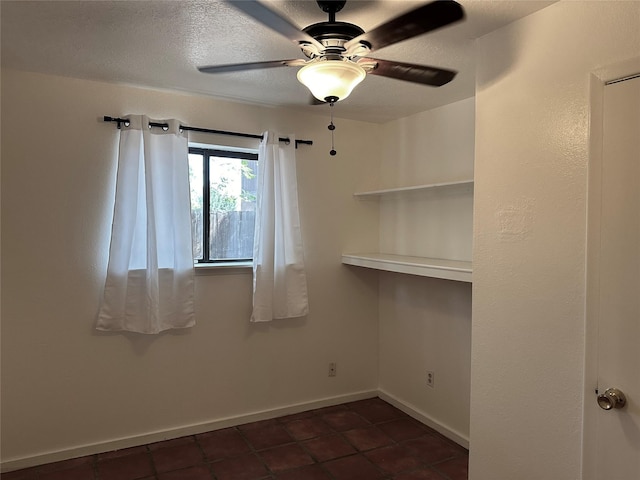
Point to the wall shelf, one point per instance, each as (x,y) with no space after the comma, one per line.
(421,266)
(426,267)
(415,188)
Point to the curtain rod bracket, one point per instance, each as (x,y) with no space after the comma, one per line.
(125,121)
(119,121)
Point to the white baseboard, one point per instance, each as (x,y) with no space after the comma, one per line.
(117,444)
(422,417)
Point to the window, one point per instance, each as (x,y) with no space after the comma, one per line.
(223,204)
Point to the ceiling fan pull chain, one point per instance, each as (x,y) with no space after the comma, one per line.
(332,127)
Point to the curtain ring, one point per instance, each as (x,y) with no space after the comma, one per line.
(165,128)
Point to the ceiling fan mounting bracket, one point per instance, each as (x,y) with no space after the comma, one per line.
(331,6)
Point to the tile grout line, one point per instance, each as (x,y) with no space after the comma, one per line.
(152,460)
(206,461)
(305,449)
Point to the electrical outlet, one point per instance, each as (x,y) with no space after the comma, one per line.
(332,369)
(431,379)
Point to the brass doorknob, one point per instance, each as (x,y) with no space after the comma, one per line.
(611,398)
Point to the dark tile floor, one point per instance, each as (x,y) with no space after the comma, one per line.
(363,440)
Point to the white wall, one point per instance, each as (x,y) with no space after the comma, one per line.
(532,154)
(425,323)
(67,388)
(430,147)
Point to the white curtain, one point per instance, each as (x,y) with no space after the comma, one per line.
(279,278)
(150,275)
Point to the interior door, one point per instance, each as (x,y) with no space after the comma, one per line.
(618,358)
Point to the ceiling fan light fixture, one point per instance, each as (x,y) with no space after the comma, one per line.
(331,78)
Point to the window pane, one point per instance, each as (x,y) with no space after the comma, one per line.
(233,184)
(196,184)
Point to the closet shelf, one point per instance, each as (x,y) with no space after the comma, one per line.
(415,188)
(424,267)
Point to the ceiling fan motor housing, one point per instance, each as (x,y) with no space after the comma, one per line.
(333,35)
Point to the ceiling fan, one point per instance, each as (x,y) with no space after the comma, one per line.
(337,52)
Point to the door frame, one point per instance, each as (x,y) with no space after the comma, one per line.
(598,80)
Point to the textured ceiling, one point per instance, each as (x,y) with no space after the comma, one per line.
(160,43)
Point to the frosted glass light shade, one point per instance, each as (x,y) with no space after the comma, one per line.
(331,78)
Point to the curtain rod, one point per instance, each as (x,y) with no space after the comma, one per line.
(125,121)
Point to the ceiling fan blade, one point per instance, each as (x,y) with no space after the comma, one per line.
(238,67)
(435,77)
(423,19)
(260,12)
